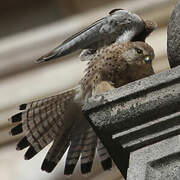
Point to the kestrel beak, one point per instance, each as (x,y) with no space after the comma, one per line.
(147,59)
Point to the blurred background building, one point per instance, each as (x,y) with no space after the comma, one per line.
(31,28)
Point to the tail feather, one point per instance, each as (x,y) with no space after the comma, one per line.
(83,144)
(88,151)
(51,119)
(73,154)
(104,156)
(107,163)
(55,153)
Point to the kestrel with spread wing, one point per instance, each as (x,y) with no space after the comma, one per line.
(59,119)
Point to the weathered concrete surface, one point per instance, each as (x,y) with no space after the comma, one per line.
(173,34)
(160,161)
(136,103)
(136,115)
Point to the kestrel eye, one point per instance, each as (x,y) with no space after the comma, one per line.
(139,51)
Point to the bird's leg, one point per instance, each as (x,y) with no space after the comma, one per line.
(102,87)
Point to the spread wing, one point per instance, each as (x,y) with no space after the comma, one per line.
(83,146)
(83,31)
(102,32)
(77,41)
(41,122)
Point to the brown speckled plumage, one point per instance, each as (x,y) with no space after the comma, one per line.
(59,118)
(118,64)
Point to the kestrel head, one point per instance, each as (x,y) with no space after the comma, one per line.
(137,53)
(119,64)
(133,61)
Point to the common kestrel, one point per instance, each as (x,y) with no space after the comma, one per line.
(60,119)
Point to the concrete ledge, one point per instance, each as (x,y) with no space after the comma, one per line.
(136,115)
(159,161)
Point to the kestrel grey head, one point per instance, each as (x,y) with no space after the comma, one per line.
(120,25)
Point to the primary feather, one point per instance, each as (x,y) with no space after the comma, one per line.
(120,25)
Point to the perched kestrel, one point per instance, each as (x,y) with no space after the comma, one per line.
(120,25)
(59,118)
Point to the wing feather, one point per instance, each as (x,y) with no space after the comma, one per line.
(82,31)
(42,121)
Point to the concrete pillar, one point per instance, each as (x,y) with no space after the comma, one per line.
(173,35)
